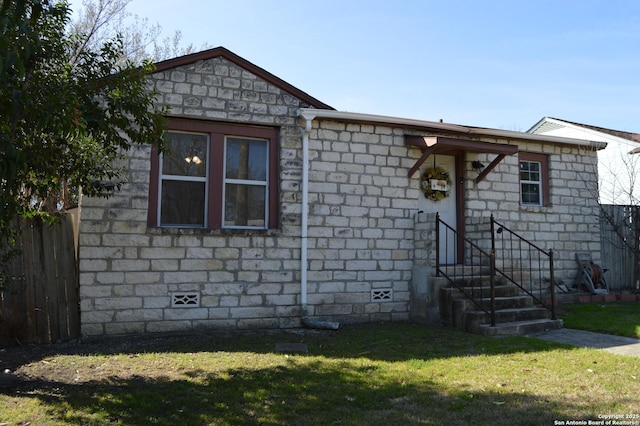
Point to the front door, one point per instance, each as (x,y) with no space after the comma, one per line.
(442,200)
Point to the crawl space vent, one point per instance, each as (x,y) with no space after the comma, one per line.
(185,300)
(381,295)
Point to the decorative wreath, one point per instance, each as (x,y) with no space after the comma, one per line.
(435,183)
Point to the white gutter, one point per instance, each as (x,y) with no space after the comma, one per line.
(310,114)
(304,233)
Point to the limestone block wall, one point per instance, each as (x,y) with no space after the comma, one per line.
(361,225)
(136,279)
(567,225)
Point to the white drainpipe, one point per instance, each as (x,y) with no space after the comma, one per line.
(305,215)
(304,248)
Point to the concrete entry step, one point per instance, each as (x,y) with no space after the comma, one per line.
(473,320)
(508,315)
(519,328)
(480,291)
(516,313)
(501,303)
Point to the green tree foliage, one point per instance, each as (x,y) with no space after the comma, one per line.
(68,110)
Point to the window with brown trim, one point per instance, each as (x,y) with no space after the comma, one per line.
(215,175)
(534,179)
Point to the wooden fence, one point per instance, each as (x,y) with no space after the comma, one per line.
(620,245)
(39,291)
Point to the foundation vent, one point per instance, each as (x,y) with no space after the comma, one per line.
(381,295)
(185,300)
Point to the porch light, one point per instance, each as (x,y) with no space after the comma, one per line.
(193,159)
(477,166)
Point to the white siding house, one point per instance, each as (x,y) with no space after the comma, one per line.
(618,164)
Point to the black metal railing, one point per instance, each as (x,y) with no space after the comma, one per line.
(525,265)
(474,270)
(475,277)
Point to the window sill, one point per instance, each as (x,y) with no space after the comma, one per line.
(530,208)
(212,232)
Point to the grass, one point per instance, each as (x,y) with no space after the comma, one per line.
(390,374)
(620,318)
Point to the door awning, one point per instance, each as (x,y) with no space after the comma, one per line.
(449,146)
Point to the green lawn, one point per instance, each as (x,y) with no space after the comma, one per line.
(620,318)
(392,374)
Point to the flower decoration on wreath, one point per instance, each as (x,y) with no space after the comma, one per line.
(435,183)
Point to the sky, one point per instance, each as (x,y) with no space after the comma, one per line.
(502,64)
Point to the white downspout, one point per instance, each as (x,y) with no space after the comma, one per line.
(304,232)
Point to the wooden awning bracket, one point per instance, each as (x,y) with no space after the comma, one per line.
(427,150)
(490,167)
(448,146)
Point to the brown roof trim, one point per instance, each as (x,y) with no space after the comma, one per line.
(242,63)
(443,145)
(450,129)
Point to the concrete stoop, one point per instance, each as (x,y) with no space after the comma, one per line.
(515,313)
(520,328)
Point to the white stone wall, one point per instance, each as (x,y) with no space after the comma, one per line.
(362,233)
(361,222)
(568,225)
(129,273)
(360,230)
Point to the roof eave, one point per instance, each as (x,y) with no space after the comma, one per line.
(310,114)
(599,133)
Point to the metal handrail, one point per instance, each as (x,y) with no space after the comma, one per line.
(478,258)
(527,251)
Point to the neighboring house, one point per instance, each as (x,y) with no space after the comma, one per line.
(272,209)
(618,164)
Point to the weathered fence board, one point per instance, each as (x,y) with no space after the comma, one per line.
(39,296)
(619,245)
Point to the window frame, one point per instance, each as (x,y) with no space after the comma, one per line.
(217,133)
(543,160)
(244,182)
(162,178)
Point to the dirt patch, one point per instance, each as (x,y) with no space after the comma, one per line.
(35,362)
(14,357)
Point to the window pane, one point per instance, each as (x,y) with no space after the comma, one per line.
(531,183)
(530,193)
(183,203)
(530,171)
(246,159)
(245,205)
(186,156)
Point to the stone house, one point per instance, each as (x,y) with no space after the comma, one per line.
(618,164)
(272,209)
